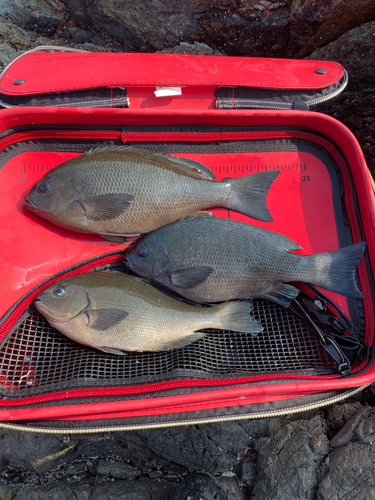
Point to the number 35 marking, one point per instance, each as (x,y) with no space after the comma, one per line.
(305,178)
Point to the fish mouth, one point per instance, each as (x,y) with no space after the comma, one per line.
(39,305)
(29,204)
(47,313)
(128,263)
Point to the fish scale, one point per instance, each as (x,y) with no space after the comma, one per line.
(116,312)
(208,259)
(126,191)
(111,177)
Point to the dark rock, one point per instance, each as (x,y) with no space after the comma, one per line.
(315,23)
(191,449)
(56,491)
(247,469)
(346,434)
(214,447)
(116,469)
(154,26)
(355,50)
(76,468)
(254,429)
(199,49)
(274,426)
(15,40)
(54,10)
(82,491)
(355,109)
(133,490)
(155,474)
(97,40)
(6,493)
(351,474)
(80,36)
(235,491)
(42,24)
(365,432)
(238,35)
(36,452)
(338,415)
(289,463)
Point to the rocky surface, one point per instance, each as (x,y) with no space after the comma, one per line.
(328,454)
(355,108)
(325,454)
(290,462)
(355,50)
(339,30)
(315,23)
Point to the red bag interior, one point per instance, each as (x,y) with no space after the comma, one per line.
(33,249)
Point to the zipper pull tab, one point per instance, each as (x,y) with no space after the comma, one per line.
(326,340)
(317,305)
(363,353)
(330,345)
(302,105)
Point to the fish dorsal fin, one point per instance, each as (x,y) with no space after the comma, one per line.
(107,149)
(283,242)
(202,169)
(189,167)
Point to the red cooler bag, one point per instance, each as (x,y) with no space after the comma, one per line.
(237,116)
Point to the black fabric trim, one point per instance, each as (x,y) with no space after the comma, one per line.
(104,97)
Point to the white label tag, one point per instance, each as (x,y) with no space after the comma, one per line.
(167,91)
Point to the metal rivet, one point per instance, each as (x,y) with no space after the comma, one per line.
(321,71)
(18,82)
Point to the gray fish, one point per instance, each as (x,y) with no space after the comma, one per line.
(124,191)
(214,259)
(116,312)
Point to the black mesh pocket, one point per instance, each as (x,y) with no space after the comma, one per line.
(35,357)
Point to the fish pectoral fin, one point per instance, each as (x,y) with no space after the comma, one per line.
(110,350)
(103,319)
(182,342)
(282,294)
(189,277)
(106,206)
(120,240)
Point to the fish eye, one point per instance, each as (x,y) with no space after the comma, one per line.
(143,252)
(45,187)
(59,292)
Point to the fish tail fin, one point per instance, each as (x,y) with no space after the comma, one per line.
(248,194)
(236,316)
(339,275)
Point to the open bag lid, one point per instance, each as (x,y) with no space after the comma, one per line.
(50,71)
